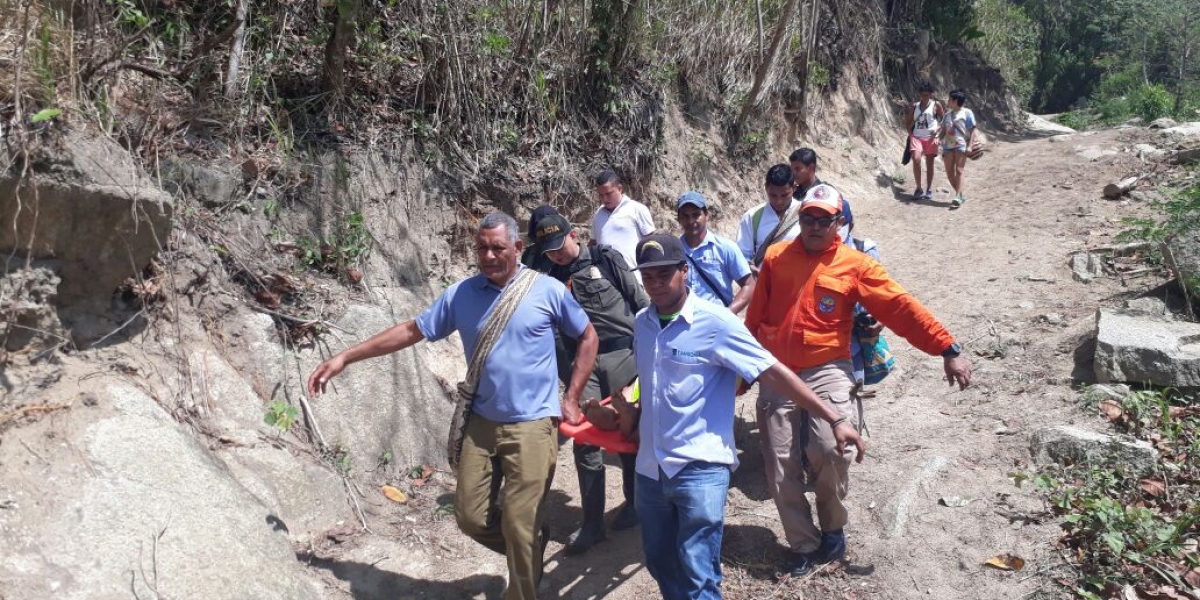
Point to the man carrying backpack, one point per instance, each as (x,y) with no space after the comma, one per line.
(801,312)
(602,283)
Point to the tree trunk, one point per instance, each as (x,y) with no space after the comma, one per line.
(344,24)
(1185,57)
(764,67)
(761,41)
(236,49)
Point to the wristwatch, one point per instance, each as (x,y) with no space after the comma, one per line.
(953,351)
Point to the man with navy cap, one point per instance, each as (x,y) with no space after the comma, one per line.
(715,262)
(689,354)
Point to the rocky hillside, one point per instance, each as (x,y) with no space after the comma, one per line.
(201,202)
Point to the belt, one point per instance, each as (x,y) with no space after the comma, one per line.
(624,342)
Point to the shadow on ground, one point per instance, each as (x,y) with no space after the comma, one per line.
(368,582)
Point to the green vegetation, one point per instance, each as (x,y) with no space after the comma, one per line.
(1137,529)
(281,415)
(1107,59)
(348,242)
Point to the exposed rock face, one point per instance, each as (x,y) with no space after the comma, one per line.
(1065,443)
(27,315)
(85,204)
(1145,349)
(140,510)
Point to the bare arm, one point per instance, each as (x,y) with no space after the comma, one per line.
(585,360)
(780,377)
(387,341)
(742,298)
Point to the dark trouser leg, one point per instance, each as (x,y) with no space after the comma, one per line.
(589,466)
(628,476)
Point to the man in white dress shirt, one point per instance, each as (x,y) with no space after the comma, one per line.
(621,221)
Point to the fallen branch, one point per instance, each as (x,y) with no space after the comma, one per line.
(1120,188)
(296,319)
(40,408)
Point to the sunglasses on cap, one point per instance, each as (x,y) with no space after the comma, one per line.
(821,222)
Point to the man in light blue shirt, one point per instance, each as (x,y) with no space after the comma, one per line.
(511,434)
(714,262)
(689,353)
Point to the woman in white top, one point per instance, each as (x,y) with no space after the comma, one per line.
(923,121)
(958,135)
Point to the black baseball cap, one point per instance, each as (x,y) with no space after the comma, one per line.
(539,213)
(551,231)
(659,250)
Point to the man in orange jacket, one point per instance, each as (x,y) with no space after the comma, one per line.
(802,312)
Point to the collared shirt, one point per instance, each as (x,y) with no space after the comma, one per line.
(520,377)
(723,263)
(688,371)
(749,237)
(803,305)
(622,227)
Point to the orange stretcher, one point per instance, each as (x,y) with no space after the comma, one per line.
(612,441)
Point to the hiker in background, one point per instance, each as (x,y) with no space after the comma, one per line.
(923,121)
(773,220)
(958,137)
(620,221)
(530,257)
(804,170)
(802,312)
(511,421)
(689,353)
(714,262)
(600,280)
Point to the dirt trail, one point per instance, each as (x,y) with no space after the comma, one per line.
(995,272)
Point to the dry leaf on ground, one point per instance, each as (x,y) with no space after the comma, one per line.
(1005,562)
(1154,487)
(394,494)
(1112,410)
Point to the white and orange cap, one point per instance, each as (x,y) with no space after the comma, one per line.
(823,198)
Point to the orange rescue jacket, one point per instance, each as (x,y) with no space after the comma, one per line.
(802,310)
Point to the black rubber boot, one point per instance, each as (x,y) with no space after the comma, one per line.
(589,466)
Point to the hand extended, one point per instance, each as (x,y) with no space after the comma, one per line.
(958,370)
(323,373)
(571,412)
(845,432)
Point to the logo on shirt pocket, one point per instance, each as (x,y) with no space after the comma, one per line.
(827,304)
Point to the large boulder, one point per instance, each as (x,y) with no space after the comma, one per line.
(1068,444)
(1184,134)
(1183,258)
(84,203)
(392,405)
(211,185)
(129,504)
(1145,349)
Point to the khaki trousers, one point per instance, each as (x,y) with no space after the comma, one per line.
(797,448)
(523,455)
